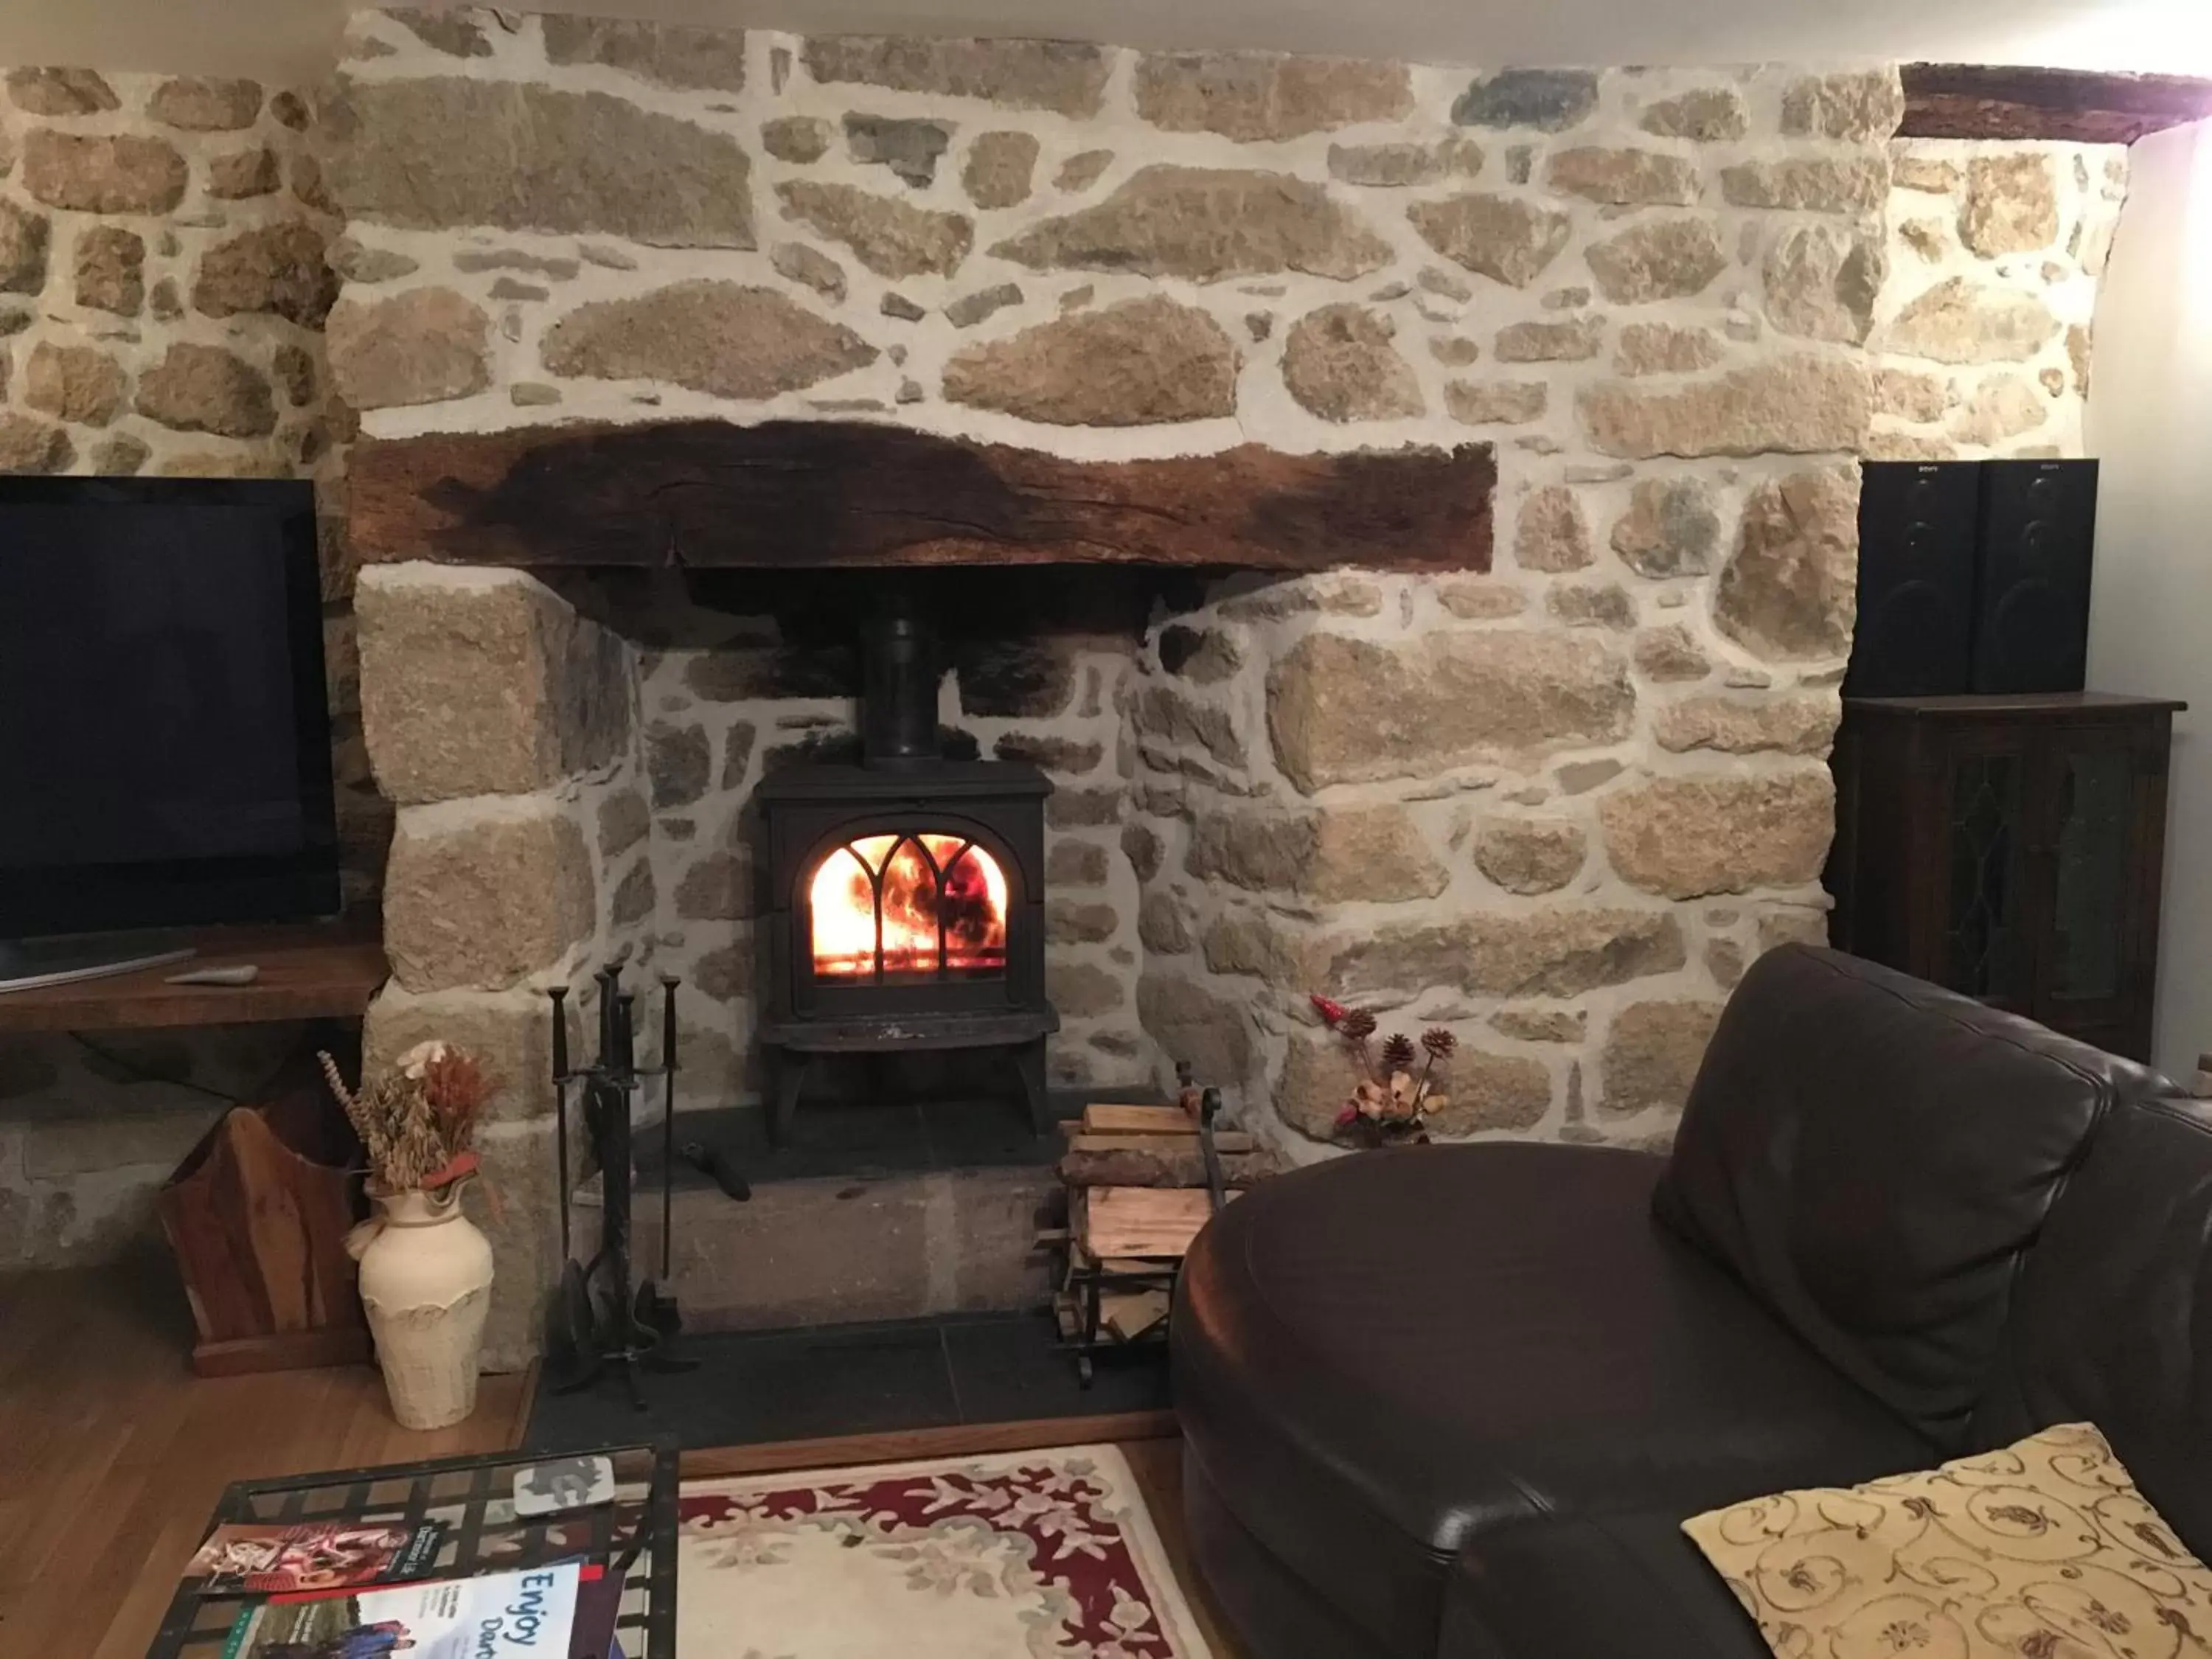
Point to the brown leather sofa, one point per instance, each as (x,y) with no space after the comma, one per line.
(1454,1402)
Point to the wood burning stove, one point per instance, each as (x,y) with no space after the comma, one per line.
(904,896)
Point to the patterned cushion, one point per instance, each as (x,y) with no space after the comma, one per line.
(2043,1551)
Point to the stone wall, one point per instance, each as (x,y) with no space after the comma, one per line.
(1557,805)
(162,292)
(1995,252)
(505,727)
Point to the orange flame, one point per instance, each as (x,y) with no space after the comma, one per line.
(939,893)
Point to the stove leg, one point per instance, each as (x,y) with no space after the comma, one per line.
(1029,1061)
(790,1069)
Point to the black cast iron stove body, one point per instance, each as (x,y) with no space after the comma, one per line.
(904,896)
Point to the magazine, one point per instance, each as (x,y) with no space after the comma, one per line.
(508,1615)
(240,1560)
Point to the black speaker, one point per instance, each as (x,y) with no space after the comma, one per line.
(1917,535)
(2039,533)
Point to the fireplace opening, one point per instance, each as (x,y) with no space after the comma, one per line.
(904,895)
(902,908)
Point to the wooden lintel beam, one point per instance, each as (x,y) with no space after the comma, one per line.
(1978,100)
(803,495)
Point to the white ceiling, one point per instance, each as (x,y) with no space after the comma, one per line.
(294,40)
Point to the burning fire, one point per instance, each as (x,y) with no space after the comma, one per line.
(940,894)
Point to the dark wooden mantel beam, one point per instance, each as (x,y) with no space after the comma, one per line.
(2078,106)
(801,494)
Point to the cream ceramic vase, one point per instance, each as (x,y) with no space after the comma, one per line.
(426,1282)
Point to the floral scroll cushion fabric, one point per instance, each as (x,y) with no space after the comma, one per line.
(2043,1551)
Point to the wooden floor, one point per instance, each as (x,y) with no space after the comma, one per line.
(113,1454)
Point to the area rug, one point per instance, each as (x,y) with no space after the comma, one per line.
(1013,1556)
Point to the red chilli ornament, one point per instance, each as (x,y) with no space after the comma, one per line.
(1330,1012)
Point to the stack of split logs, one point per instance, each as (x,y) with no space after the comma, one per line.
(1139,1189)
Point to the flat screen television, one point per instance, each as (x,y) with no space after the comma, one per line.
(165,741)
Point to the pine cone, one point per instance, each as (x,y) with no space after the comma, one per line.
(1397,1052)
(1439,1042)
(1357,1024)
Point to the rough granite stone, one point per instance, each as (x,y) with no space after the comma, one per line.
(1803,725)
(1481,601)
(2004,406)
(443,151)
(1789,591)
(679,763)
(798,263)
(670,54)
(1652,1055)
(1591,604)
(23,240)
(1665,349)
(1208,225)
(800,138)
(419,346)
(635,896)
(1672,528)
(1625,178)
(506,1032)
(714,337)
(1557,951)
(1911,396)
(29,446)
(1000,169)
(1688,837)
(888,236)
(1132,364)
(1500,237)
(1710,115)
(1064,77)
(1192,1024)
(110,269)
(1857,184)
(2011,205)
(126,172)
(1799,404)
(78,383)
(1496,402)
(1404,163)
(910,146)
(1205,657)
(1669,655)
(1660,259)
(1852,108)
(1259,96)
(202,388)
(1576,340)
(59,92)
(1551,533)
(1076,864)
(119,455)
(1082,170)
(1161,926)
(1822,281)
(278,268)
(983,304)
(624,821)
(1336,856)
(453,32)
(486,688)
(1551,100)
(720,887)
(1530,855)
(1343,710)
(1539,1024)
(1339,364)
(1081,991)
(244,174)
(206,106)
(1165,713)
(485,901)
(358,263)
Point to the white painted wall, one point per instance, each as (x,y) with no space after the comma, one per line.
(2150,625)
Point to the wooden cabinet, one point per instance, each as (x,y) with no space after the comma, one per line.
(2009,847)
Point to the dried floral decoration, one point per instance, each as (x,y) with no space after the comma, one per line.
(1391,1100)
(418,1119)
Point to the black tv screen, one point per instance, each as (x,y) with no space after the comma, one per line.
(165,745)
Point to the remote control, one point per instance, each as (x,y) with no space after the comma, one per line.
(244,975)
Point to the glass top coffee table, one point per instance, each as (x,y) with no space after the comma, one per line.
(635,1535)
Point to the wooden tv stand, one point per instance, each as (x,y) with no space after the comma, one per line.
(307,972)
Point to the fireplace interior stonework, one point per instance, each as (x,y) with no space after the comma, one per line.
(1555,799)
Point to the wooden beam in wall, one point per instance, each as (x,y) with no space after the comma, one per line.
(709,495)
(1977,101)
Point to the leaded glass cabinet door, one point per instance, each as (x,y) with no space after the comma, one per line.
(2100,816)
(1983,907)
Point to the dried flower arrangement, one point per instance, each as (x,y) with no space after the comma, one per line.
(418,1119)
(1391,1101)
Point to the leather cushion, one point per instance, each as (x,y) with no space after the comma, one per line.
(1874,1157)
(2113,1321)
(1379,1359)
